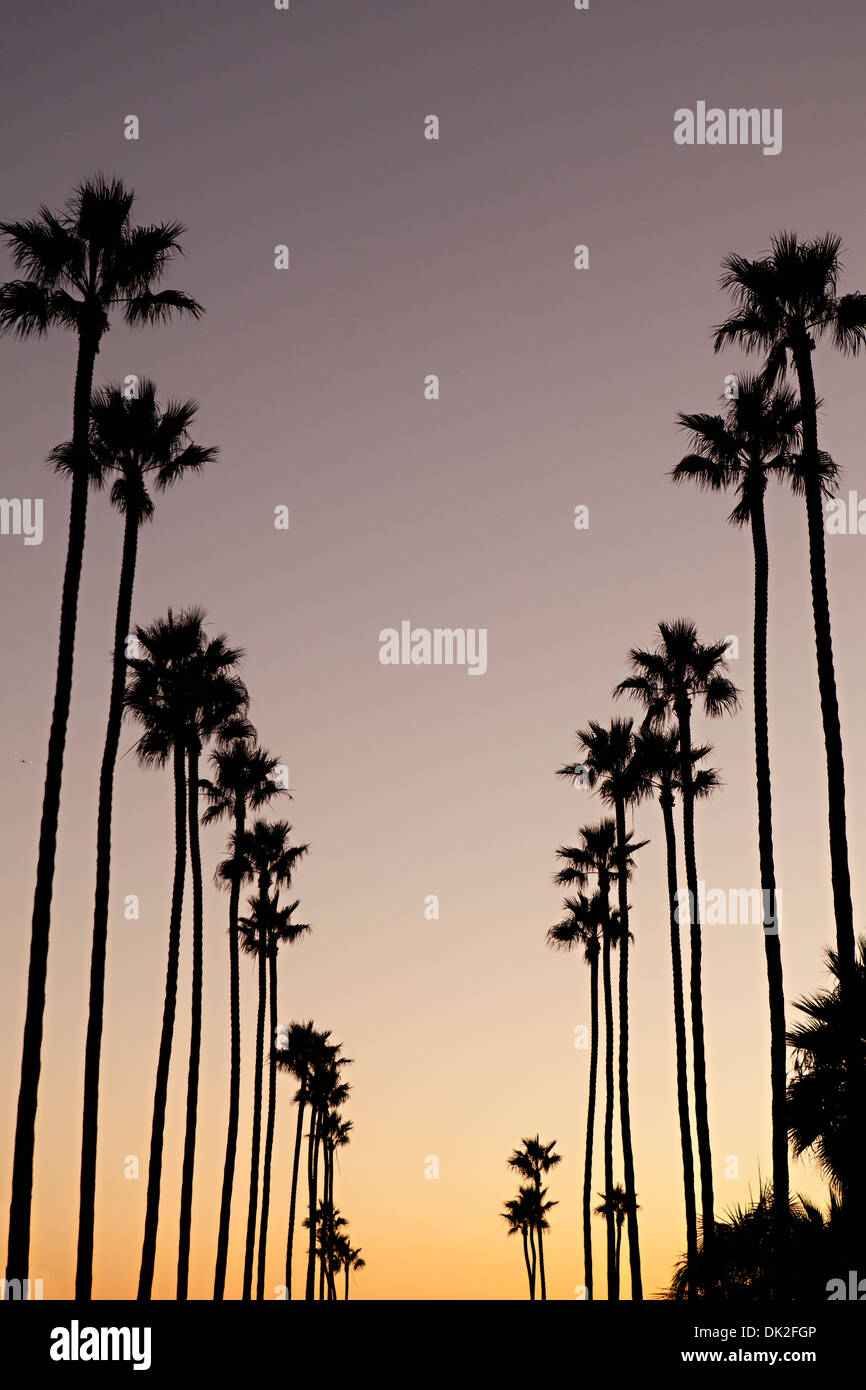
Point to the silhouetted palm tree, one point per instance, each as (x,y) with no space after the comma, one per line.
(305,1052)
(243,780)
(753,441)
(583,927)
(335,1134)
(161,695)
(353,1262)
(140,444)
(527,1214)
(79,265)
(326,1092)
(818,1093)
(784,302)
(264,855)
(614,1208)
(660,754)
(596,857)
(215,697)
(611,767)
(532,1162)
(667,680)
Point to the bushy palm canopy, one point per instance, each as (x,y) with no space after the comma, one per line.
(609,764)
(242,770)
(756,439)
(268,926)
(659,752)
(136,442)
(818,1089)
(184,688)
(264,852)
(84,261)
(788,298)
(678,670)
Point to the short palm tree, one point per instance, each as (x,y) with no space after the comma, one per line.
(326,1092)
(79,266)
(163,695)
(609,761)
(667,680)
(614,1208)
(520,1217)
(785,302)
(140,445)
(243,780)
(582,928)
(818,1092)
(755,440)
(532,1162)
(353,1263)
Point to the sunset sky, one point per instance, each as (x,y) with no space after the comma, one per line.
(558,388)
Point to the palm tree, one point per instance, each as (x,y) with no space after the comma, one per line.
(243,780)
(610,763)
(215,697)
(353,1262)
(755,440)
(281,930)
(79,265)
(527,1213)
(667,680)
(660,755)
(614,1207)
(161,695)
(335,1134)
(305,1052)
(584,926)
(138,442)
(596,857)
(784,303)
(326,1092)
(264,855)
(532,1162)
(818,1093)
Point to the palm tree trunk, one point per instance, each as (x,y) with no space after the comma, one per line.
(666,801)
(590,1126)
(702,1121)
(18,1249)
(312,1179)
(526,1255)
(154,1172)
(532,1267)
(612,1280)
(618,1244)
(257,1129)
(772,943)
(269,1129)
(624,1106)
(235,1073)
(93,1045)
(346,1269)
(839,869)
(188,1171)
(294,1195)
(326,1158)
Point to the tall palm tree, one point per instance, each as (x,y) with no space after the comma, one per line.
(532,1162)
(596,857)
(612,768)
(215,697)
(784,303)
(263,855)
(281,930)
(326,1092)
(162,690)
(660,755)
(305,1052)
(243,780)
(756,439)
(139,444)
(614,1207)
(79,265)
(583,927)
(667,680)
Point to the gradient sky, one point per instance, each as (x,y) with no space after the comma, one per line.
(558,387)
